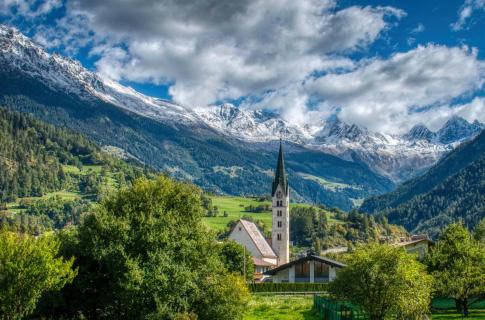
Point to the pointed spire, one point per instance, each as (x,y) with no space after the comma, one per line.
(280,174)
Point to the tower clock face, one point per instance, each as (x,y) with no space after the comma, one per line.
(279,195)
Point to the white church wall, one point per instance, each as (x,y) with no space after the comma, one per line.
(241,236)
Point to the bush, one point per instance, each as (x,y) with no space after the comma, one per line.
(287,287)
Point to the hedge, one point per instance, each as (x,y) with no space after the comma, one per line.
(288,287)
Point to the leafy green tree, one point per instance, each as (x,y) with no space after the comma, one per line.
(480,231)
(385,281)
(457,263)
(146,254)
(236,259)
(29,267)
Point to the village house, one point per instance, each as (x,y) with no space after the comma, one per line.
(312,269)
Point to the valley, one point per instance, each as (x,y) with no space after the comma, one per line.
(242,160)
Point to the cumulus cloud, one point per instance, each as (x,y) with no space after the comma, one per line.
(466,11)
(294,56)
(385,94)
(233,49)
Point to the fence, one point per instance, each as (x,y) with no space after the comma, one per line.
(449,304)
(330,309)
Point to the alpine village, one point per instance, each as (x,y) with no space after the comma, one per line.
(242,160)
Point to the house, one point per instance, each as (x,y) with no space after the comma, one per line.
(311,268)
(418,244)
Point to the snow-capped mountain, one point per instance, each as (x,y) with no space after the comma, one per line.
(397,157)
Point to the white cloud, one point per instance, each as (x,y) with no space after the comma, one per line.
(28,9)
(466,11)
(390,95)
(234,49)
(279,54)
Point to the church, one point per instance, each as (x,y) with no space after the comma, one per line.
(271,257)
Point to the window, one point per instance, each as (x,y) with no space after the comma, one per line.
(321,270)
(279,213)
(302,270)
(280,224)
(240,228)
(278,236)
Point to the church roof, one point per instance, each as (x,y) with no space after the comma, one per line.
(280,174)
(258,239)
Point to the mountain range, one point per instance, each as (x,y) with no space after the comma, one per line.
(452,190)
(222,148)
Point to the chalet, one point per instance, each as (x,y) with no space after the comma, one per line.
(418,244)
(311,268)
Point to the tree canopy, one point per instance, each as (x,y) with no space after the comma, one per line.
(385,281)
(457,263)
(29,267)
(145,253)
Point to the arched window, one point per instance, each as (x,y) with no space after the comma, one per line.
(280,224)
(278,236)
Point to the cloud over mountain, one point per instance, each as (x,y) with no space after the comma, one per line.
(309,59)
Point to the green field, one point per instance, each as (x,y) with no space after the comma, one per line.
(234,206)
(276,307)
(300,307)
(14,207)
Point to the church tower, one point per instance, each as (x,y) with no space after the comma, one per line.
(281,212)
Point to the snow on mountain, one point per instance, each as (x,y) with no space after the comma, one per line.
(64,74)
(396,156)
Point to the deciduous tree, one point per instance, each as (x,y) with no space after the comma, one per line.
(385,281)
(457,263)
(146,254)
(29,267)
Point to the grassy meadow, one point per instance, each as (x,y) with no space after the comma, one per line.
(297,307)
(235,208)
(110,183)
(279,307)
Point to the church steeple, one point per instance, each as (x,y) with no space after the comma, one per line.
(280,174)
(280,231)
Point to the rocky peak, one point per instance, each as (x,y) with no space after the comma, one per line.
(456,129)
(419,132)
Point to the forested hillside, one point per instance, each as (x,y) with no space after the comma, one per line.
(47,171)
(460,197)
(452,190)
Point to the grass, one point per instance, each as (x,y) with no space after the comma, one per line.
(83,171)
(14,207)
(272,307)
(473,315)
(300,307)
(235,206)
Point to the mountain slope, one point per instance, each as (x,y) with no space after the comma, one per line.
(449,165)
(167,137)
(454,189)
(461,197)
(37,158)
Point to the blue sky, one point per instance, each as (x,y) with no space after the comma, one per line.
(386,65)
